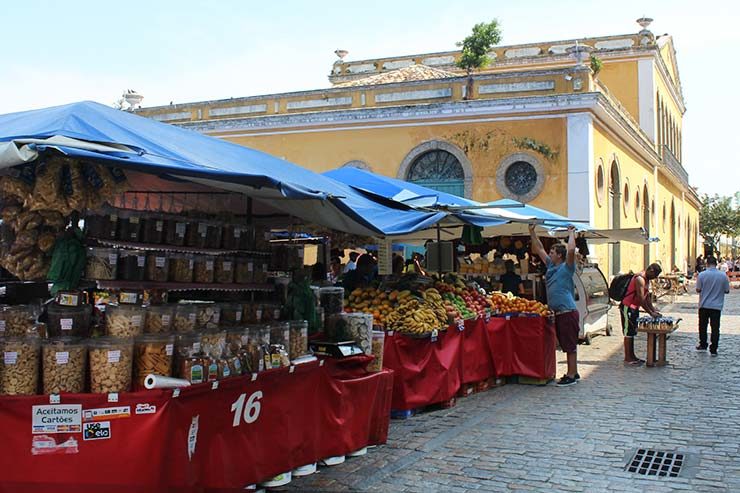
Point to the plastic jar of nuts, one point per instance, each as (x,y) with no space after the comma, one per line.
(332,300)
(298,339)
(359,326)
(189,362)
(181,267)
(131,265)
(236,339)
(111,362)
(174,231)
(18,320)
(213,342)
(64,365)
(159,318)
(124,320)
(195,234)
(280,333)
(186,316)
(231,314)
(19,369)
(129,226)
(224,271)
(102,264)
(252,313)
(152,229)
(207,316)
(153,354)
(68,320)
(378,343)
(157,267)
(243,270)
(203,268)
(101,225)
(214,232)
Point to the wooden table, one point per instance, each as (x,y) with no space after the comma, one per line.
(657,339)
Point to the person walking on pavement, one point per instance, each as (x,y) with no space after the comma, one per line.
(561,266)
(712,286)
(637,296)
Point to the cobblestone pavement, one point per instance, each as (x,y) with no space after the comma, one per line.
(578,438)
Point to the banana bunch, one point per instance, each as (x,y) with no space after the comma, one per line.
(434,302)
(413,317)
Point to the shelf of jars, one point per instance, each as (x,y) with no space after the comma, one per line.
(182,286)
(149,247)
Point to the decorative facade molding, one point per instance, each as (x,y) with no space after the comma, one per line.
(391,97)
(434,145)
(318,103)
(544,85)
(238,110)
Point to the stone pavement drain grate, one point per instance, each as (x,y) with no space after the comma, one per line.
(656,463)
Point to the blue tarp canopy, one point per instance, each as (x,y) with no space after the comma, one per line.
(95,132)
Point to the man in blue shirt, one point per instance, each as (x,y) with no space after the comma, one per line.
(712,286)
(561,266)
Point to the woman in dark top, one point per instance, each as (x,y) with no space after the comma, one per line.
(511,281)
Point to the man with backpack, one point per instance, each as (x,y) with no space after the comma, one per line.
(631,290)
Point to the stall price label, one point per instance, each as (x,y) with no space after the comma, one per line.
(226,266)
(66,323)
(2,325)
(62,357)
(10,357)
(209,264)
(159,225)
(202,228)
(159,262)
(435,334)
(180,229)
(114,356)
(140,260)
(460,324)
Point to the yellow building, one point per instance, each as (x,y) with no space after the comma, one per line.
(539,127)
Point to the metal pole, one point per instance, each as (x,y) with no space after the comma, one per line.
(439,253)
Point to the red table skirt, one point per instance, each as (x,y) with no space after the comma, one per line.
(429,372)
(205,439)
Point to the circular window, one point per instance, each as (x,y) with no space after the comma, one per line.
(520,177)
(600,184)
(626,195)
(637,205)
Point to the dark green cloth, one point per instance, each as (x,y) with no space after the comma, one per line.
(67,261)
(301,305)
(472,235)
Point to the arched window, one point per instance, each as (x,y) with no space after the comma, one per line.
(439,170)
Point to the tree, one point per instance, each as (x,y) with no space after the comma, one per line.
(475,50)
(718,216)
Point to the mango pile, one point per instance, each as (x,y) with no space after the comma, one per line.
(507,303)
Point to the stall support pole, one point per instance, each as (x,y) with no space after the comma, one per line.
(439,253)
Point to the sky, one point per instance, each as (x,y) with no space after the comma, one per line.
(184,51)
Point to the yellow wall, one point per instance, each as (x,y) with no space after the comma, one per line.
(620,77)
(485,145)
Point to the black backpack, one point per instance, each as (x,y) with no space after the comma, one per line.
(619,285)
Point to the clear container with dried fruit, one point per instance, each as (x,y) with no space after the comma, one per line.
(159,319)
(258,345)
(174,231)
(18,320)
(271,312)
(245,237)
(214,233)
(231,314)
(203,268)
(280,333)
(186,317)
(102,264)
(101,226)
(153,354)
(236,339)
(378,343)
(64,365)
(208,315)
(224,269)
(152,229)
(124,320)
(131,265)
(68,320)
(243,270)
(261,269)
(298,345)
(195,235)
(332,300)
(129,226)
(19,368)
(111,364)
(181,267)
(252,313)
(157,267)
(213,342)
(229,239)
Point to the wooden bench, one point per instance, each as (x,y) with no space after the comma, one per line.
(657,339)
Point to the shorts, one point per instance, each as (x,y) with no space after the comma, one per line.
(629,317)
(567,329)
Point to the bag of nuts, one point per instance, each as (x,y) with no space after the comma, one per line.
(153,353)
(64,365)
(111,362)
(18,320)
(19,369)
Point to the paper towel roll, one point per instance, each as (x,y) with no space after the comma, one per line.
(161,382)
